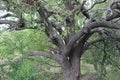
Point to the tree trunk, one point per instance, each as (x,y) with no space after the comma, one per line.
(71,68)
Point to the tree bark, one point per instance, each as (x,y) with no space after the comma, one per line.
(70,72)
(71,67)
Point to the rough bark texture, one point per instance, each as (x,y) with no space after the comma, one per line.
(71,68)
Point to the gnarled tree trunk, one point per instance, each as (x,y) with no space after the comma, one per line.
(71,66)
(71,69)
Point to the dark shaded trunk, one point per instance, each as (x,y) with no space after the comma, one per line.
(71,72)
(71,67)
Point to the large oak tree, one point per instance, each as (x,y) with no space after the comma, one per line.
(69,24)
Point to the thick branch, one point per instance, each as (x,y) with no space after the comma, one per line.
(49,29)
(12,24)
(87,45)
(7,22)
(47,55)
(6,15)
(44,62)
(86,30)
(70,18)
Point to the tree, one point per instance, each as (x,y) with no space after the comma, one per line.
(69,24)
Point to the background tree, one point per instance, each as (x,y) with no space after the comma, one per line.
(73,26)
